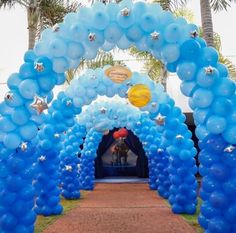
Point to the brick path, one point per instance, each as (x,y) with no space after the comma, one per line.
(121,208)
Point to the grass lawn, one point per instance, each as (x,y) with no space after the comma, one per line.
(43,222)
(192,219)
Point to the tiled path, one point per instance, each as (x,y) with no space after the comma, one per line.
(121,208)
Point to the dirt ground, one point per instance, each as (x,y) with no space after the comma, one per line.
(121,208)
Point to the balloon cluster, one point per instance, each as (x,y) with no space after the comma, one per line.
(60,116)
(47,184)
(218,189)
(162,169)
(88,154)
(121,133)
(16,195)
(70,162)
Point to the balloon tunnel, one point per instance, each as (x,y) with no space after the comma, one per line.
(42,136)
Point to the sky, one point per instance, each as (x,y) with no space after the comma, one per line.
(14,38)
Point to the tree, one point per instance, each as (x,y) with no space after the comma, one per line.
(40,14)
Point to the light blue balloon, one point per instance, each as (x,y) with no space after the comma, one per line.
(75,50)
(186,70)
(11,141)
(60,65)
(170,53)
(20,116)
(230,134)
(134,33)
(28,88)
(28,131)
(188,87)
(13,81)
(216,124)
(113,33)
(202,97)
(148,22)
(6,125)
(207,80)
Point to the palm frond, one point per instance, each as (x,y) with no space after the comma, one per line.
(8,3)
(229,64)
(171,5)
(219,5)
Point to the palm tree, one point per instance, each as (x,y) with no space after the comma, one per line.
(40,14)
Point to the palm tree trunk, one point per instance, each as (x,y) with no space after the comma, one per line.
(207,24)
(32,19)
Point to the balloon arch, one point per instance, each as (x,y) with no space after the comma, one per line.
(29,136)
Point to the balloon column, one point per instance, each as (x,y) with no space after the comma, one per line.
(70,162)
(172,40)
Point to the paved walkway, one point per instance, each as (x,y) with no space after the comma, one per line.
(121,208)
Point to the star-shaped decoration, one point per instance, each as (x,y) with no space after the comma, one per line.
(159,150)
(145,143)
(68,103)
(39,66)
(79,167)
(68,168)
(56,135)
(125,12)
(155,35)
(93,77)
(229,149)
(92,36)
(209,70)
(179,137)
(160,120)
(138,123)
(56,28)
(103,110)
(115,117)
(194,34)
(154,104)
(9,96)
(129,84)
(23,146)
(42,158)
(39,104)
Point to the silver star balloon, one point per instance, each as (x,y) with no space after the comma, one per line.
(68,168)
(103,110)
(56,28)
(229,149)
(194,34)
(39,66)
(9,96)
(160,120)
(154,104)
(56,135)
(68,103)
(209,70)
(39,104)
(179,137)
(159,150)
(125,12)
(42,158)
(155,35)
(92,36)
(23,146)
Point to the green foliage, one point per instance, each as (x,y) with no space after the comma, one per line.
(193,219)
(53,11)
(43,222)
(171,5)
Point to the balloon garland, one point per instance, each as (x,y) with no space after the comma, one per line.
(172,40)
